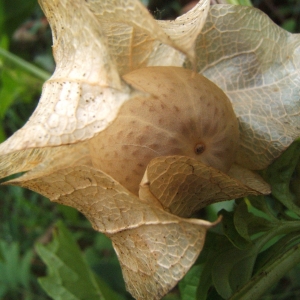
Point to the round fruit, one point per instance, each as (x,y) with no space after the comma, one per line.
(184,114)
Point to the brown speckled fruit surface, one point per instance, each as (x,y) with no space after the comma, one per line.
(184,114)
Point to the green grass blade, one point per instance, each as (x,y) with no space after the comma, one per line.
(30,68)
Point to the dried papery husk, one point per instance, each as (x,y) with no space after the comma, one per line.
(183,114)
(155,248)
(182,185)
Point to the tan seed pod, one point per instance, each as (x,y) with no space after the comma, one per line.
(185,114)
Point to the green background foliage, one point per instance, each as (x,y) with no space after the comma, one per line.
(259,236)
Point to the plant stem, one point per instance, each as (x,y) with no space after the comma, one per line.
(267,277)
(284,228)
(30,68)
(240,2)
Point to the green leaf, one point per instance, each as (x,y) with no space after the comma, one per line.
(14,267)
(271,254)
(1,255)
(205,283)
(247,223)
(260,207)
(215,244)
(24,269)
(189,284)
(15,85)
(171,296)
(103,260)
(295,184)
(231,232)
(279,176)
(267,277)
(69,276)
(68,213)
(213,295)
(232,269)
(223,266)
(9,91)
(289,25)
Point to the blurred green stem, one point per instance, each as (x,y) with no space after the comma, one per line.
(30,68)
(280,228)
(240,2)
